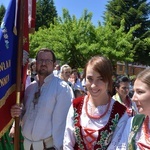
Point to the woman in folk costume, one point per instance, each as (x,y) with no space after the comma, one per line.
(94,118)
(121,86)
(136,135)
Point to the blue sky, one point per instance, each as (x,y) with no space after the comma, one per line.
(76,7)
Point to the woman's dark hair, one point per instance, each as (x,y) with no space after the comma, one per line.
(74,71)
(120,79)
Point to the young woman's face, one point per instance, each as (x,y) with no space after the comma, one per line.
(142,97)
(95,84)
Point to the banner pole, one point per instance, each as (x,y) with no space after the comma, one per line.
(20,24)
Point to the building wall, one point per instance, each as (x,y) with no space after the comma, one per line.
(132,69)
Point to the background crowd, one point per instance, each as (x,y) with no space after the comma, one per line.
(66,109)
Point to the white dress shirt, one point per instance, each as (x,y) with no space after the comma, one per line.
(48,117)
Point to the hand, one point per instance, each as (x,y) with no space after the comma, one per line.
(16,111)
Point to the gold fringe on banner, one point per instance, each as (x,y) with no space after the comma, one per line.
(6,128)
(9,91)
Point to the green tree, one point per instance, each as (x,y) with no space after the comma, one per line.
(133,12)
(69,37)
(116,43)
(2,12)
(45,13)
(75,41)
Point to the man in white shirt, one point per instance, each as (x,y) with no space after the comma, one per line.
(47,101)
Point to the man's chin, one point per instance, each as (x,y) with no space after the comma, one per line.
(42,73)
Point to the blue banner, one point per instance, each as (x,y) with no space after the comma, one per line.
(8,54)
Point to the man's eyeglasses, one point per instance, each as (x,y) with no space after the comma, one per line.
(46,61)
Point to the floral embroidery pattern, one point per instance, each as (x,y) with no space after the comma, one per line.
(78,138)
(5,35)
(114,122)
(75,116)
(131,135)
(136,124)
(105,139)
(77,130)
(106,135)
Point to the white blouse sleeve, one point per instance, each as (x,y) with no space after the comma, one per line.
(69,138)
(123,143)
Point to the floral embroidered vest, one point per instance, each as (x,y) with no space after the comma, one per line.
(105,134)
(136,124)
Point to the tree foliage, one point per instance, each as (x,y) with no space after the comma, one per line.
(69,37)
(116,44)
(2,12)
(45,13)
(134,12)
(76,40)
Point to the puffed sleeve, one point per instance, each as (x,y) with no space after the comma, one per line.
(69,138)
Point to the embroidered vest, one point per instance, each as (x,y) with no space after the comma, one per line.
(136,124)
(105,134)
(130,109)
